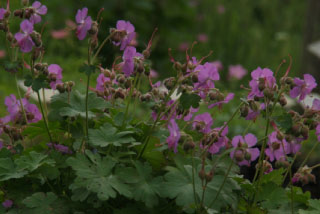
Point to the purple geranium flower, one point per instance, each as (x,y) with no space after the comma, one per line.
(303,87)
(277,148)
(261,77)
(221,141)
(16,114)
(55,75)
(61,148)
(101,81)
(128,28)
(84,23)
(39,9)
(174,135)
(315,105)
(202,122)
(2,12)
(7,204)
(227,99)
(24,39)
(217,64)
(237,72)
(207,73)
(243,153)
(129,55)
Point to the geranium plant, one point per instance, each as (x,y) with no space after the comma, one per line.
(92,152)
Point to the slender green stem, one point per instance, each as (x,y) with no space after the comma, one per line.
(44,118)
(87,115)
(193,182)
(20,100)
(223,183)
(44,101)
(129,99)
(101,46)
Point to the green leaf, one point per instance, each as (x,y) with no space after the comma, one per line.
(77,105)
(8,170)
(271,195)
(107,135)
(12,67)
(41,203)
(314,207)
(94,174)
(188,100)
(284,121)
(179,185)
(32,161)
(87,69)
(148,187)
(275,176)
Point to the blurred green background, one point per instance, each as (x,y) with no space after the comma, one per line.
(247,32)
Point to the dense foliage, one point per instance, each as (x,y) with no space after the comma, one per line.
(90,151)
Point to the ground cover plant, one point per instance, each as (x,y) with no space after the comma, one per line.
(90,151)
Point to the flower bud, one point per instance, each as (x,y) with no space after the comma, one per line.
(146,53)
(239,156)
(283,101)
(140,66)
(209,176)
(18,13)
(188,145)
(194,78)
(94,28)
(169,83)
(304,131)
(127,84)
(9,37)
(247,156)
(60,87)
(296,128)
(117,35)
(202,174)
(244,110)
(36,38)
(145,97)
(275,146)
(261,84)
(121,79)
(25,3)
(119,94)
(177,66)
(267,92)
(253,105)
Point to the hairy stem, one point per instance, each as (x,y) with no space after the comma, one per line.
(44,118)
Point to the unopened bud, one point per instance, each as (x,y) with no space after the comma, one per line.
(247,156)
(267,92)
(261,84)
(94,28)
(146,53)
(188,145)
(209,176)
(18,13)
(36,38)
(60,87)
(9,37)
(202,174)
(127,84)
(145,97)
(304,131)
(177,66)
(7,14)
(119,94)
(121,79)
(238,155)
(25,2)
(283,101)
(194,78)
(169,83)
(244,110)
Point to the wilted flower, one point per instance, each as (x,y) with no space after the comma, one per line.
(24,39)
(243,154)
(84,23)
(38,9)
(55,75)
(174,135)
(237,72)
(303,87)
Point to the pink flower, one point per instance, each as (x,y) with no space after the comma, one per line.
(84,23)
(2,12)
(237,72)
(2,54)
(174,135)
(277,148)
(243,153)
(202,37)
(221,9)
(217,64)
(60,148)
(202,122)
(129,55)
(207,74)
(221,141)
(261,77)
(228,98)
(318,132)
(38,10)
(303,87)
(128,29)
(55,75)
(7,204)
(60,34)
(24,39)
(183,46)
